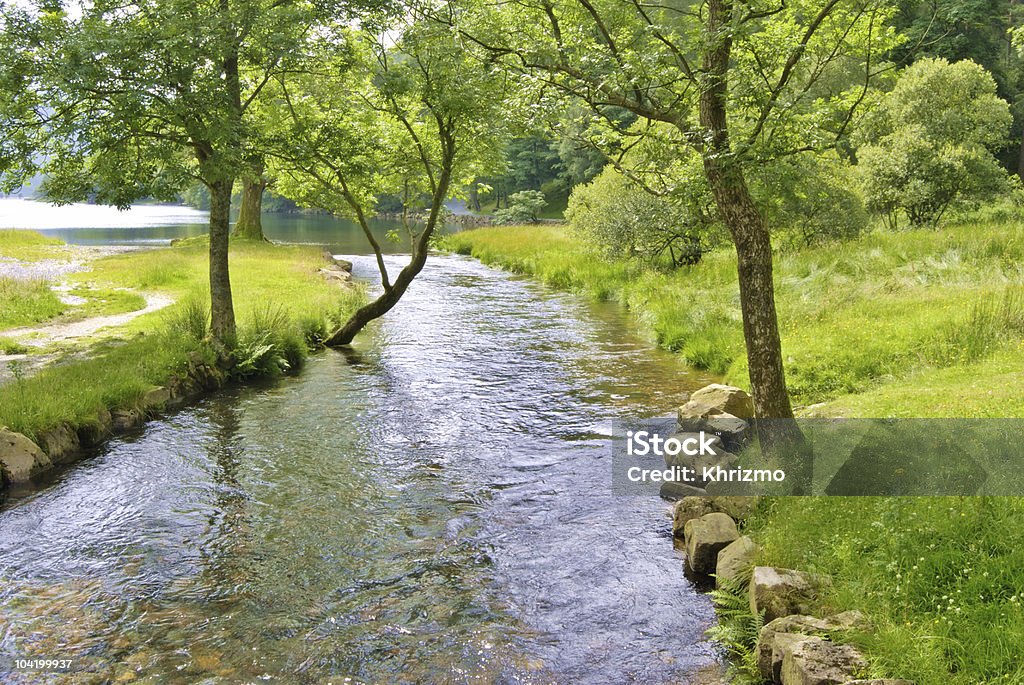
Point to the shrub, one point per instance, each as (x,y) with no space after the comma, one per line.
(928,147)
(624,220)
(523,208)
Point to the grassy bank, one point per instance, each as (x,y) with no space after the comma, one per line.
(284,307)
(872,318)
(918,323)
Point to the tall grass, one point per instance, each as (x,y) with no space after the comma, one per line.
(854,316)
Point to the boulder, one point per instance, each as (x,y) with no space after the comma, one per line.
(775,634)
(727,399)
(20,458)
(780,592)
(739,508)
(696,416)
(705,537)
(698,503)
(336,274)
(689,508)
(155,400)
(125,420)
(61,443)
(816,661)
(95,432)
(735,561)
(679,491)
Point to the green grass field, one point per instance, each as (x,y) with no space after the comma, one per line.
(911,324)
(279,298)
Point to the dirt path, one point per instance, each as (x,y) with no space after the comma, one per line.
(41,336)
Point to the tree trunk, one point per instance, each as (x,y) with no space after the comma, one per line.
(749,233)
(222,322)
(393,292)
(250,222)
(1020,158)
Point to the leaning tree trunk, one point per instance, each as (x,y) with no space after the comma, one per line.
(250,216)
(222,313)
(393,292)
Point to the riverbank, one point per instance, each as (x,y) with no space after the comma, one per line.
(918,323)
(893,324)
(68,392)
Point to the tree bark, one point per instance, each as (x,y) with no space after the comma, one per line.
(746,225)
(393,292)
(222,312)
(250,221)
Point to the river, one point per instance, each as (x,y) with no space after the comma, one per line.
(433,506)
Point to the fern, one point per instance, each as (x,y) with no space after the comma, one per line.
(737,630)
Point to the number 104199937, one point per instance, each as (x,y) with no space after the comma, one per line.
(41,664)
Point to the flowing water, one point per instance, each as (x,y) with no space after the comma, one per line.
(433,506)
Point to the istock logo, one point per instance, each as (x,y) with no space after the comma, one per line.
(645,443)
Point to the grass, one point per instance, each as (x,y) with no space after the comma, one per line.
(283,307)
(910,324)
(855,317)
(940,578)
(23,303)
(30,245)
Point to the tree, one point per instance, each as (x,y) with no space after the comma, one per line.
(742,83)
(928,146)
(398,112)
(143,98)
(523,208)
(249,224)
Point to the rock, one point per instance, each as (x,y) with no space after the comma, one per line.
(61,443)
(155,400)
(770,640)
(689,508)
(343,264)
(815,661)
(780,592)
(732,429)
(333,273)
(739,508)
(698,503)
(705,537)
(735,561)
(714,441)
(673,490)
(125,420)
(20,458)
(727,399)
(775,634)
(699,462)
(95,432)
(696,416)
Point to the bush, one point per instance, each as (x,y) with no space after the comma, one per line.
(811,200)
(928,147)
(623,220)
(523,208)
